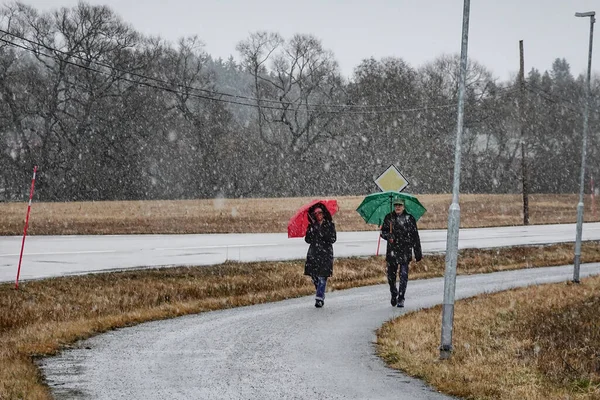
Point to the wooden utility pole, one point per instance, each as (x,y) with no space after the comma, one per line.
(523,141)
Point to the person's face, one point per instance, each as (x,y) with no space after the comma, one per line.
(319,214)
(398,208)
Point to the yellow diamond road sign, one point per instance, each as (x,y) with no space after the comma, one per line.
(391,179)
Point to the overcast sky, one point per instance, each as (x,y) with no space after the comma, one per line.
(416,30)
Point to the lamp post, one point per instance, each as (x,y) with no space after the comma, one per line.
(577,258)
(454,210)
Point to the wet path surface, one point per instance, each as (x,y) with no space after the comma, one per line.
(283,350)
(48,256)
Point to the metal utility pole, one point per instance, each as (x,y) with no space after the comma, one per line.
(577,258)
(454,210)
(524,173)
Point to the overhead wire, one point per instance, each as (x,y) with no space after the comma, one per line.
(551,97)
(343,109)
(167,89)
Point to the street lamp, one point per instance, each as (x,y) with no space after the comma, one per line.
(577,259)
(454,211)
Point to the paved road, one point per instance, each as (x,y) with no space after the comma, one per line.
(48,256)
(283,350)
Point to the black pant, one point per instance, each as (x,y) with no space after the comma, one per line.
(392,272)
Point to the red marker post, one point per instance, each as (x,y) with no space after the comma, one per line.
(25,229)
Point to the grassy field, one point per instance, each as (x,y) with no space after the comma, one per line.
(550,335)
(268,215)
(532,343)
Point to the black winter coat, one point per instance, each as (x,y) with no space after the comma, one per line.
(319,259)
(406,238)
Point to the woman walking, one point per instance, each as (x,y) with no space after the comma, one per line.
(321,235)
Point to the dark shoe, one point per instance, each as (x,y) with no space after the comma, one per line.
(319,303)
(400,303)
(394,301)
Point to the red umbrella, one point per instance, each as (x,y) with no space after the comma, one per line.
(299,222)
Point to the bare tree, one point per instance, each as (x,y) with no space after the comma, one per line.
(203,122)
(386,135)
(84,52)
(294,83)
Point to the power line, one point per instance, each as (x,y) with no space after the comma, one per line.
(540,89)
(551,97)
(120,70)
(131,80)
(345,109)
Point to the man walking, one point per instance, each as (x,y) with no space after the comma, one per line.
(400,230)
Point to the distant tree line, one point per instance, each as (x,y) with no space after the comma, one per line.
(107,113)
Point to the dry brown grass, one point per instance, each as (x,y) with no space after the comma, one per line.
(44,316)
(532,343)
(267,215)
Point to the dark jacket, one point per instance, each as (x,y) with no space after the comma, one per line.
(406,237)
(319,259)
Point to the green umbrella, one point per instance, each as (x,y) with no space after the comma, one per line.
(376,206)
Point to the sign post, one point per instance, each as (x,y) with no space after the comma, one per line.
(593,197)
(390,180)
